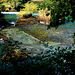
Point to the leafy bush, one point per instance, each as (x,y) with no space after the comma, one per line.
(59,9)
(29,8)
(2,7)
(74,37)
(56,61)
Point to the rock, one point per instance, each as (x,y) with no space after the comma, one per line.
(26,20)
(20,36)
(27,15)
(43,18)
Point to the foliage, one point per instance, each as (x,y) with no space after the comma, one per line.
(60,61)
(1,1)
(10,3)
(29,8)
(15,3)
(3,49)
(74,37)
(59,9)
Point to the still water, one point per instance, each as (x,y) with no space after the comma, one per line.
(11,17)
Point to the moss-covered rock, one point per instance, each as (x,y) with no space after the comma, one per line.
(19,35)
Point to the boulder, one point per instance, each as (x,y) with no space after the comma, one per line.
(44,17)
(26,20)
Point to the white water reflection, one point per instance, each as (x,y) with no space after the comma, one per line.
(10,13)
(12,23)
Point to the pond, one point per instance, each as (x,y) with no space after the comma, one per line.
(68,25)
(11,17)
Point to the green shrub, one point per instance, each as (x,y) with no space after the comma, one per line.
(29,8)
(74,37)
(59,9)
(2,7)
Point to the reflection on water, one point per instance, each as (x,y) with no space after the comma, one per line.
(68,25)
(12,22)
(10,17)
(35,14)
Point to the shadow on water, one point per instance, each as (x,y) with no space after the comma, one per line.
(8,19)
(66,24)
(1,15)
